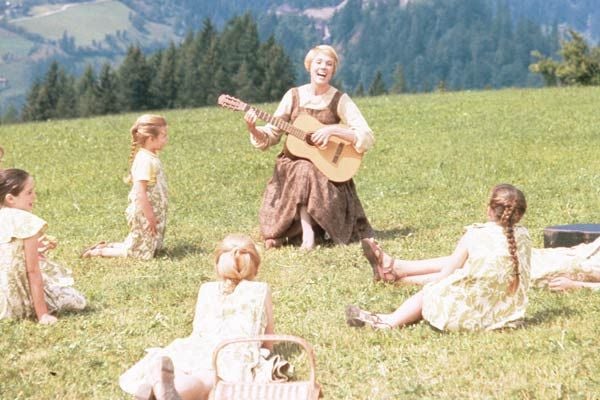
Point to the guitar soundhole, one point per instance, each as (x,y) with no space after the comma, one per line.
(308,139)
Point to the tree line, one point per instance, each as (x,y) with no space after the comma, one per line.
(192,74)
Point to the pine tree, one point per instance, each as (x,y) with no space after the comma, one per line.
(134,77)
(107,101)
(277,71)
(163,89)
(399,84)
(87,91)
(377,87)
(66,103)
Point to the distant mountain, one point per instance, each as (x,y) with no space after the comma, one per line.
(455,43)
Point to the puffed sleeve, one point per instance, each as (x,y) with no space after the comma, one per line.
(283,111)
(353,118)
(142,169)
(19,224)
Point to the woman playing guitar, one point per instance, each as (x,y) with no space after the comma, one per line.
(300,201)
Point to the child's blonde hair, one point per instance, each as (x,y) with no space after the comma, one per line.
(322,48)
(236,259)
(508,206)
(145,126)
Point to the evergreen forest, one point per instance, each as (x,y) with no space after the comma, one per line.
(418,46)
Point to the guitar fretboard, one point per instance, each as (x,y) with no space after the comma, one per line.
(279,123)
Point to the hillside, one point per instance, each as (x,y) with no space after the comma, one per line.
(82,32)
(75,34)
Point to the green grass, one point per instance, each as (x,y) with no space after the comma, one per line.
(429,174)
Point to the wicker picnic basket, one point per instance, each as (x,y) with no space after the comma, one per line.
(297,390)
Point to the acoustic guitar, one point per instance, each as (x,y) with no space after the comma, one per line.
(338,161)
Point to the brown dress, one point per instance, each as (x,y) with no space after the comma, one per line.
(334,206)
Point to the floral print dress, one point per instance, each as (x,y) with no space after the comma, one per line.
(15,296)
(580,263)
(218,316)
(140,243)
(476,296)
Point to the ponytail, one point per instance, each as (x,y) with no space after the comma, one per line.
(145,126)
(236,259)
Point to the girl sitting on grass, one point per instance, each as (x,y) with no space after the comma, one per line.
(481,285)
(232,307)
(31,285)
(147,210)
(558,268)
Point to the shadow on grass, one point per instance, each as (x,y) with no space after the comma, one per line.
(181,251)
(393,233)
(547,315)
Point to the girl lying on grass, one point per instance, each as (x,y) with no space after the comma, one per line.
(232,307)
(558,269)
(31,285)
(147,210)
(481,285)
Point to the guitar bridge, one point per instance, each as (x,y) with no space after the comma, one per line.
(338,152)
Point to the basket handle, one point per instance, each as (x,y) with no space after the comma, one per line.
(269,338)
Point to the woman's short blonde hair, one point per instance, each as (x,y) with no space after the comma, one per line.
(236,259)
(322,48)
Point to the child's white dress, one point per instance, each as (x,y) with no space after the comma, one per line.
(218,317)
(476,296)
(15,296)
(140,243)
(580,263)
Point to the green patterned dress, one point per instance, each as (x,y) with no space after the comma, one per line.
(476,297)
(140,243)
(15,296)
(580,263)
(217,317)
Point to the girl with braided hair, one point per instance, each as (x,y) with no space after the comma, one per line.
(482,285)
(147,210)
(231,307)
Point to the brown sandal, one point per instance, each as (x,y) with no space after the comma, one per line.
(374,254)
(356,317)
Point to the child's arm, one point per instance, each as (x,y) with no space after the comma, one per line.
(455,261)
(142,197)
(36,284)
(564,283)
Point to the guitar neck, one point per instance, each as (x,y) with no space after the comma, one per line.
(279,123)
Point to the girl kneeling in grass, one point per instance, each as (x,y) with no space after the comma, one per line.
(31,285)
(481,285)
(147,210)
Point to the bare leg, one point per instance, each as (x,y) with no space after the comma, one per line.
(404,268)
(308,233)
(419,280)
(196,386)
(409,312)
(110,250)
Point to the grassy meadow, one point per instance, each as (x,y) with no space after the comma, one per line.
(436,157)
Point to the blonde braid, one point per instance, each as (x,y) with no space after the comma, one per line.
(134,149)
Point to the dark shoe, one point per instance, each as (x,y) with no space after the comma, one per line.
(356,317)
(374,254)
